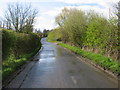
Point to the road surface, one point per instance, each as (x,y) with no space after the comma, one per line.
(59,68)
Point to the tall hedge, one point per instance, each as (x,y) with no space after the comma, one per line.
(8,42)
(18,43)
(17,48)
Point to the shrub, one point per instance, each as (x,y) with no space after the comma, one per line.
(8,42)
(17,49)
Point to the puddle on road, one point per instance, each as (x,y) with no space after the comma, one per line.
(47,56)
(47,52)
(43,59)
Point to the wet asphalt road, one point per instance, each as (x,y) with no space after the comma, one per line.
(58,68)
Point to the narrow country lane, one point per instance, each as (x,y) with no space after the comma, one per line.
(58,68)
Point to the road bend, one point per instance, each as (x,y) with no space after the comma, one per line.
(58,68)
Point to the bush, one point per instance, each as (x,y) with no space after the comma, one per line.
(26,43)
(8,42)
(17,48)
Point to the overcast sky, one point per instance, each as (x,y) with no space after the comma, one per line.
(48,9)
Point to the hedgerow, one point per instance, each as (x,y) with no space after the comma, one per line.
(17,48)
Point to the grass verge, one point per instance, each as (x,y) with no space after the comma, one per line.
(12,64)
(105,62)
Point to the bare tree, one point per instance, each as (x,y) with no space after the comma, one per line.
(20,17)
(1,22)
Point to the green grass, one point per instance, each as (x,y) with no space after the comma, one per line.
(105,62)
(52,41)
(12,64)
